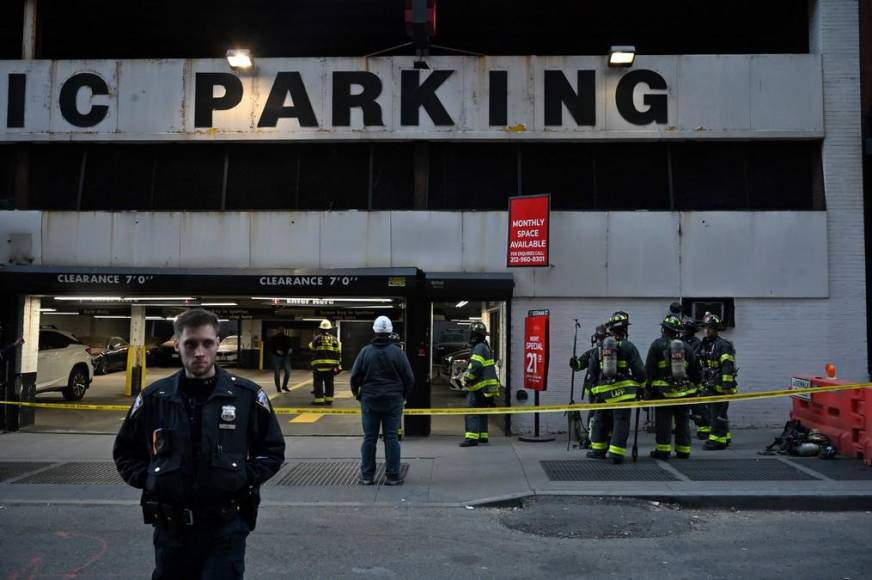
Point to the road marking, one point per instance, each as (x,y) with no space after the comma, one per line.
(306,418)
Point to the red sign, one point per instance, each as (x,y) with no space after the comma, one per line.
(529,218)
(536,350)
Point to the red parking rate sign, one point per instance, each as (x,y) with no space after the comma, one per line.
(529,219)
(536,351)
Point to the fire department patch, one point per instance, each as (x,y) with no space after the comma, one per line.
(263,400)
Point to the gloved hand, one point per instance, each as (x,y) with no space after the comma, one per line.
(573,363)
(337,370)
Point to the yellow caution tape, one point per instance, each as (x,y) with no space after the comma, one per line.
(501,410)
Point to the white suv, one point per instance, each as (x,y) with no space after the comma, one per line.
(63,364)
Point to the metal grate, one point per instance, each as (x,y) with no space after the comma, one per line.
(595,470)
(332,473)
(740,470)
(76,473)
(13,469)
(837,469)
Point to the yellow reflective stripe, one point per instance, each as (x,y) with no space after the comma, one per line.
(598,446)
(705,429)
(469,435)
(623,364)
(625,397)
(483,383)
(615,450)
(678,394)
(727,378)
(629,383)
(727,356)
(662,364)
(667,447)
(478,358)
(325,361)
(682,448)
(718,439)
(724,390)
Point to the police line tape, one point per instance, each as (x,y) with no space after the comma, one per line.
(500,410)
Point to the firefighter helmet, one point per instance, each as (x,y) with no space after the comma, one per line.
(689,325)
(619,319)
(672,324)
(711,321)
(477,331)
(325,325)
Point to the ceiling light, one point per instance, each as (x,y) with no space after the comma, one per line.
(61,313)
(461,304)
(298,298)
(90,298)
(622,56)
(240,59)
(219,304)
(137,298)
(48,309)
(111,316)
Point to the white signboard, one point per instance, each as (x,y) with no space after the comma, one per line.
(698,97)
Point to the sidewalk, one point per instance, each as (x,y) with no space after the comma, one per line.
(65,468)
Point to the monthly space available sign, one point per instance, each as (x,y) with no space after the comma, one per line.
(529,219)
(536,350)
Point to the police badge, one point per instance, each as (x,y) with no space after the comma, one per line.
(228,413)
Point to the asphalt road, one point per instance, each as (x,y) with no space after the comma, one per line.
(547,538)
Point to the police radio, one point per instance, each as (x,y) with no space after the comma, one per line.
(676,358)
(610,357)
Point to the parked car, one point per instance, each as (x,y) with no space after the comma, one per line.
(228,350)
(163,355)
(449,341)
(108,353)
(455,365)
(63,364)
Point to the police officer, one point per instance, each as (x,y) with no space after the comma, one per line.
(482,385)
(672,374)
(199,444)
(326,363)
(718,360)
(617,374)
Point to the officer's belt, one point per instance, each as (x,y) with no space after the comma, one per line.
(167,515)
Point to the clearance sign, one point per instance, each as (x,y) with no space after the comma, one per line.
(529,219)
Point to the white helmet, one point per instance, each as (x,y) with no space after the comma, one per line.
(382,325)
(325,325)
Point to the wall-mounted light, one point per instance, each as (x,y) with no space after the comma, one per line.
(461,304)
(240,59)
(622,56)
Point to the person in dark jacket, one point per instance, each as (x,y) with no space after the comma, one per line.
(280,356)
(381,379)
(199,443)
(672,374)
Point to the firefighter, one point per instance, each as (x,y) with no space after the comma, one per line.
(718,359)
(698,413)
(672,374)
(326,355)
(482,385)
(582,363)
(617,374)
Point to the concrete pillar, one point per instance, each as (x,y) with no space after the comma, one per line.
(136,352)
(28,36)
(250,336)
(25,388)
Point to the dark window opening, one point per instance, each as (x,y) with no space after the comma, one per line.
(55,173)
(724,308)
(188,177)
(334,176)
(631,176)
(8,163)
(564,170)
(709,176)
(263,177)
(118,178)
(201,29)
(472,175)
(784,176)
(393,175)
(11,29)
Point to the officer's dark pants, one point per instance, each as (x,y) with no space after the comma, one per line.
(476,425)
(618,421)
(281,363)
(720,423)
(322,381)
(201,552)
(663,420)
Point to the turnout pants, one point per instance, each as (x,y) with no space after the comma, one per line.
(476,425)
(618,423)
(663,421)
(322,381)
(720,422)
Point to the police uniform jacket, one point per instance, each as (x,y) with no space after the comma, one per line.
(718,360)
(658,365)
(241,443)
(626,384)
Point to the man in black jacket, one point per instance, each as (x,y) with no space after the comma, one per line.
(381,380)
(199,444)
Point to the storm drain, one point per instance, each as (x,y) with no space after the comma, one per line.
(13,469)
(76,473)
(331,473)
(740,470)
(837,469)
(592,470)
